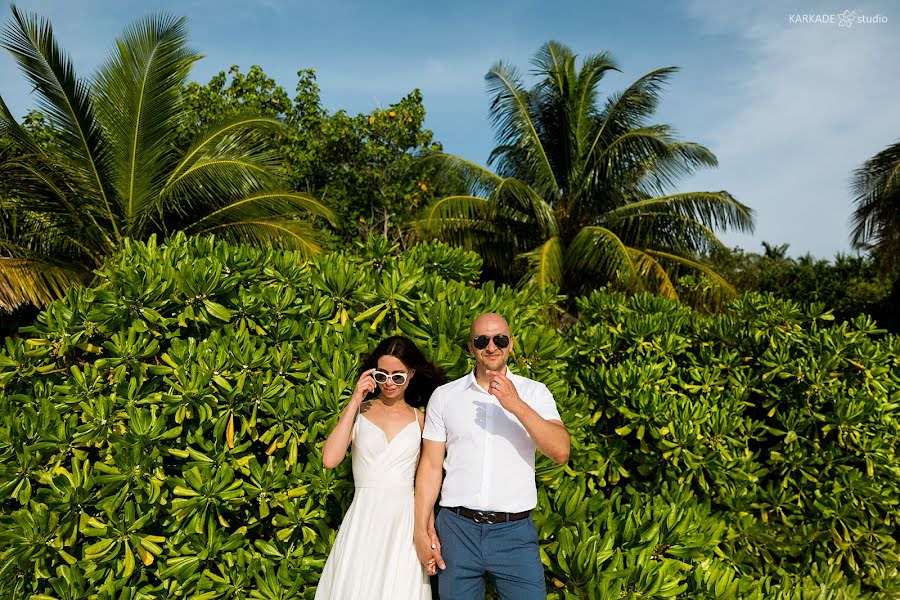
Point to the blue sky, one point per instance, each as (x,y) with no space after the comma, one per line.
(789,108)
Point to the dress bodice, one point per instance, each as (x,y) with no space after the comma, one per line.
(378,463)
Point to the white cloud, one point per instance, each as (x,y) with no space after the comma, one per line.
(813,103)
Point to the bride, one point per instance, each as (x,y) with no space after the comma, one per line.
(373,555)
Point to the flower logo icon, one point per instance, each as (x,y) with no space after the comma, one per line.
(846,18)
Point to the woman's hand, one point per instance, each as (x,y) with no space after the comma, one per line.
(339,439)
(365,386)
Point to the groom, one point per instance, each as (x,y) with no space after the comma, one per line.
(484,429)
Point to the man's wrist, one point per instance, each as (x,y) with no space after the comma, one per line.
(518,407)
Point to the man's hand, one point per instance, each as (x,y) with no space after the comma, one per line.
(503,390)
(550,436)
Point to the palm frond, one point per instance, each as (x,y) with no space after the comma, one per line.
(713,209)
(651,274)
(593,69)
(443,218)
(555,118)
(229,160)
(468,222)
(34,186)
(24,281)
(564,108)
(628,110)
(226,165)
(467,208)
(262,207)
(453,170)
(514,127)
(615,175)
(554,63)
(235,136)
(213,182)
(44,236)
(517,201)
(660,171)
(598,252)
(11,130)
(284,234)
(876,190)
(695,265)
(667,231)
(66,101)
(634,147)
(39,184)
(545,264)
(138,100)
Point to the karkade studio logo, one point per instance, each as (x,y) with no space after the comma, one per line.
(845,19)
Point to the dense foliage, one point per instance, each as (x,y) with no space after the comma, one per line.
(160,432)
(364,166)
(848,285)
(784,425)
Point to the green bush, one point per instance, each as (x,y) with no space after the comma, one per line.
(786,427)
(160,433)
(848,285)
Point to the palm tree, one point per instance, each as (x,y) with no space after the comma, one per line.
(112,169)
(579,196)
(773,252)
(876,219)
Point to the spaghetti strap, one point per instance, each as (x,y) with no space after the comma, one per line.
(416,416)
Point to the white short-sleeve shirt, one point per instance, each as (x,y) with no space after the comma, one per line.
(490,456)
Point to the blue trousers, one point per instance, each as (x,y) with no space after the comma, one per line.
(507,552)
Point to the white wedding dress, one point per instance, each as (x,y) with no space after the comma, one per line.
(373,557)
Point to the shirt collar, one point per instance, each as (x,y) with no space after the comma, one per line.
(470,379)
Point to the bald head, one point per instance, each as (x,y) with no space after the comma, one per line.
(489,321)
(494,355)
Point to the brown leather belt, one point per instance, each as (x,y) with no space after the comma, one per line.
(489,517)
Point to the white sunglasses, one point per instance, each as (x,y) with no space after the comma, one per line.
(381,377)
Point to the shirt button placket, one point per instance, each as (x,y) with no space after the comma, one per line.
(486,473)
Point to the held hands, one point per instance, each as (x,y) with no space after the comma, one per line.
(365,386)
(503,390)
(428,549)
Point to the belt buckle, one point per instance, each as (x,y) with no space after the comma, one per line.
(484,517)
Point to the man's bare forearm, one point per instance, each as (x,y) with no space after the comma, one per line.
(429,477)
(551,437)
(428,485)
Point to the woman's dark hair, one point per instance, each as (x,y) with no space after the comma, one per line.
(427,376)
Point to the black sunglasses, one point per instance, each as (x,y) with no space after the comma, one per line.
(481,342)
